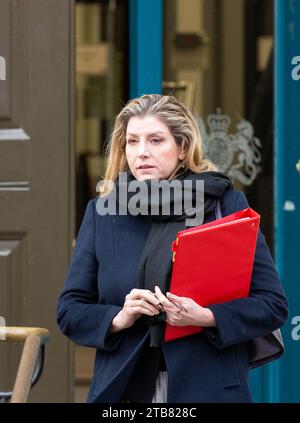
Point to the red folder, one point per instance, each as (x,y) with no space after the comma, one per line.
(213,262)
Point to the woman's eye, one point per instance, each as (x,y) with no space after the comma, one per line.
(131,141)
(155,140)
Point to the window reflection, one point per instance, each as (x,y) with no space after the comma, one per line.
(223,49)
(101,87)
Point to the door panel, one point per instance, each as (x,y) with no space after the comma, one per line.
(36,174)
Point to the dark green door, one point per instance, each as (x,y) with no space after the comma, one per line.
(36,174)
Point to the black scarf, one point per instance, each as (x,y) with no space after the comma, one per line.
(155,265)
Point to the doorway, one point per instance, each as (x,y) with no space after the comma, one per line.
(102,88)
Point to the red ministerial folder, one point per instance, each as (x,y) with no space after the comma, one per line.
(212,263)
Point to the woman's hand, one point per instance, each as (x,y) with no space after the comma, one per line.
(183,311)
(137,303)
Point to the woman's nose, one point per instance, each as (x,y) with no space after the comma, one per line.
(143,151)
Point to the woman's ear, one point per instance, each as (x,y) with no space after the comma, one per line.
(181,156)
(182,153)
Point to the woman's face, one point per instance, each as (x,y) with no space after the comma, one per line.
(151,150)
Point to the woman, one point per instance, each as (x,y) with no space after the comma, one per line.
(116,290)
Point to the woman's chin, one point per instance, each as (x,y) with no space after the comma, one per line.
(146,177)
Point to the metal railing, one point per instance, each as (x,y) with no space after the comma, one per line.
(31,363)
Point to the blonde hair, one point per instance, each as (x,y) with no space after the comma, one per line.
(175,115)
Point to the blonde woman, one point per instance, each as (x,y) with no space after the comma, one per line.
(116,298)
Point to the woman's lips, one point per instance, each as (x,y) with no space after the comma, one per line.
(146,168)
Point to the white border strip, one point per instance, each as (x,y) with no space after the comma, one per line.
(13,134)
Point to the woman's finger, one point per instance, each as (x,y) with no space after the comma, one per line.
(143,303)
(171,296)
(162,298)
(179,306)
(139,309)
(171,309)
(177,301)
(146,294)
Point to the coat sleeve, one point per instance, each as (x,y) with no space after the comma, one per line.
(263,311)
(80,316)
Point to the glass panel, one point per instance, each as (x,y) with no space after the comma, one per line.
(218,58)
(101,87)
(101,90)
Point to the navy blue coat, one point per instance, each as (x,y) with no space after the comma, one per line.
(211,366)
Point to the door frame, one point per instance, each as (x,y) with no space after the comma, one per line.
(146,47)
(285,374)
